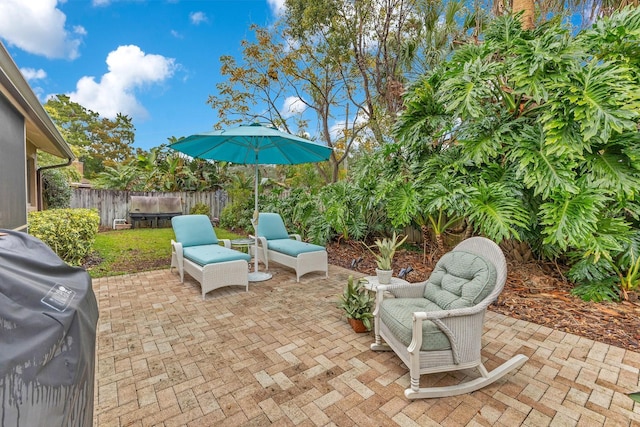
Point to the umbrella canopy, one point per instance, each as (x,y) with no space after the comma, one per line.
(253,144)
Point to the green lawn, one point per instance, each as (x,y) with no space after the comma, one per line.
(131,251)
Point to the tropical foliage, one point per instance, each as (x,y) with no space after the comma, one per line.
(533,135)
(162,169)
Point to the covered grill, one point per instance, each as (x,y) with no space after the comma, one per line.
(48,318)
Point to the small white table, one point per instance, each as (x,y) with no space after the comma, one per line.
(242,245)
(249,245)
(372,282)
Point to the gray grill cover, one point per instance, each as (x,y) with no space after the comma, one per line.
(48,318)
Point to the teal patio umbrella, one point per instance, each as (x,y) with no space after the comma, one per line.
(253,144)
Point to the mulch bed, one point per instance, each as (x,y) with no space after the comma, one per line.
(534,292)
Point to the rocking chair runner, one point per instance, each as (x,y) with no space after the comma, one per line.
(436,326)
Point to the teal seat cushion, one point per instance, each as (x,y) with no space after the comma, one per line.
(292,247)
(211,254)
(397,314)
(271,226)
(193,230)
(459,280)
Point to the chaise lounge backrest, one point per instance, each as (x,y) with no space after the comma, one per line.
(194,230)
(271,226)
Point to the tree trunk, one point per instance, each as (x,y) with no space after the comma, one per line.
(528,15)
(425,238)
(439,243)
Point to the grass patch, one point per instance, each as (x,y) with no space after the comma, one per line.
(131,251)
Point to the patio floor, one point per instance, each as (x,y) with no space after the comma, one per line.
(282,354)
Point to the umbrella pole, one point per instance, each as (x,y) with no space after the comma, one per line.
(257,276)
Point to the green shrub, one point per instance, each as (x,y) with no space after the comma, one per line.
(200,209)
(236,216)
(56,191)
(69,232)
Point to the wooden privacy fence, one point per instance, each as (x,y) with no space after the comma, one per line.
(114,204)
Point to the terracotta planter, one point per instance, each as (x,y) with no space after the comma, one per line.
(357,325)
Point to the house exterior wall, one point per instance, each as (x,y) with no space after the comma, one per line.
(13,167)
(25,130)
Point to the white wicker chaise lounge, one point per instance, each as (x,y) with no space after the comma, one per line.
(277,245)
(436,325)
(197,251)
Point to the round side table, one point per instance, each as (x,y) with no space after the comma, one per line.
(242,244)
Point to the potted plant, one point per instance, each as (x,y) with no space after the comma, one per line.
(357,303)
(386,250)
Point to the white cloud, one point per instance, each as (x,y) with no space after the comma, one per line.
(33,74)
(130,69)
(176,34)
(292,106)
(38,27)
(99,3)
(197,18)
(277,6)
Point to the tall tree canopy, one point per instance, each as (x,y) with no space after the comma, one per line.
(97,141)
(335,69)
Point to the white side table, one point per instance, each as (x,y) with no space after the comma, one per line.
(372,282)
(243,245)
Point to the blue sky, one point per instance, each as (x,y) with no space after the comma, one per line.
(155,60)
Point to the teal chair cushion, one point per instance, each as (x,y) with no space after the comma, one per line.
(271,226)
(211,254)
(459,280)
(292,247)
(193,230)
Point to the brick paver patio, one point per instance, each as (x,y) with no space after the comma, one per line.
(282,354)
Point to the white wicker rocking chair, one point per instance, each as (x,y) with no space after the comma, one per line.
(430,338)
